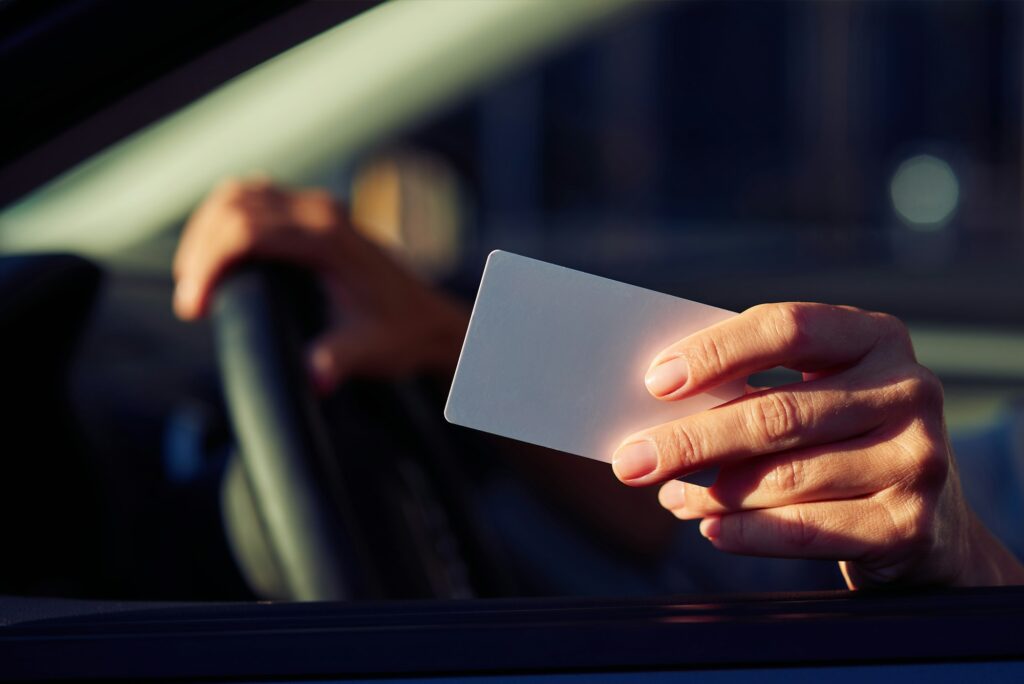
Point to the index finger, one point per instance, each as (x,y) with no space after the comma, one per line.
(802,336)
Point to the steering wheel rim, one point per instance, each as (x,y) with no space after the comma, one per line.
(258,312)
(380,509)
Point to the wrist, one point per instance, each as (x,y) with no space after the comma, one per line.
(443,345)
(986,561)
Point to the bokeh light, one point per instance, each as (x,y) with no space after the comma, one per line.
(925,192)
(410,202)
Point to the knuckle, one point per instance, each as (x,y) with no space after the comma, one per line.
(701,499)
(892,325)
(918,389)
(796,530)
(923,386)
(738,528)
(708,358)
(230,187)
(243,193)
(785,478)
(894,330)
(788,321)
(775,417)
(686,451)
(933,470)
(319,211)
(244,230)
(929,465)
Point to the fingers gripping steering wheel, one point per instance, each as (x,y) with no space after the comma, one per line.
(342,518)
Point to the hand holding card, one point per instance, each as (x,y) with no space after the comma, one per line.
(557,357)
(852,463)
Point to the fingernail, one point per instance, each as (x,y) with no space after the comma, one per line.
(635,460)
(321,369)
(710,527)
(667,376)
(184,299)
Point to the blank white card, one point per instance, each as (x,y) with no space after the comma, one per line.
(557,357)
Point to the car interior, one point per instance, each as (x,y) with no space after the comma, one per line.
(733,153)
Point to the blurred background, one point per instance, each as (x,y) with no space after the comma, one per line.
(732,152)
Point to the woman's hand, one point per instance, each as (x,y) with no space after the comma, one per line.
(388,323)
(852,464)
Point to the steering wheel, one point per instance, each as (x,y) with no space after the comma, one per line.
(390,515)
(281,434)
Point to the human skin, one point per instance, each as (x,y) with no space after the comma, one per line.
(388,324)
(852,464)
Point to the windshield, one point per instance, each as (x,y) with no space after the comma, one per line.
(861,153)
